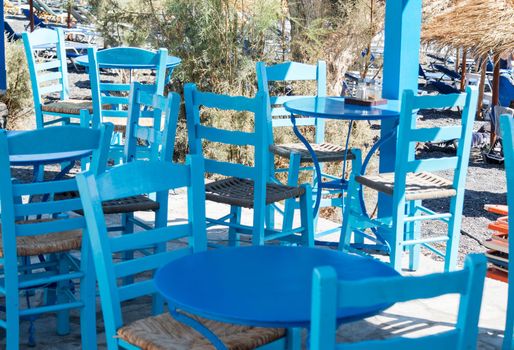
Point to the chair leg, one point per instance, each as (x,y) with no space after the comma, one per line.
(294,338)
(352,204)
(235,219)
(292,180)
(454,225)
(270,217)
(63,317)
(356,170)
(413,232)
(306,217)
(398,236)
(13,319)
(88,297)
(508,339)
(128,228)
(258,232)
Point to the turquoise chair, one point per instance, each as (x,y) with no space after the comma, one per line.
(329,294)
(296,152)
(243,185)
(411,183)
(47,229)
(507,131)
(111,100)
(161,245)
(49,77)
(152,121)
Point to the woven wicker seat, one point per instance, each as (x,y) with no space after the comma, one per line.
(162,332)
(68,106)
(325,152)
(129,205)
(26,174)
(419,185)
(118,206)
(46,243)
(235,191)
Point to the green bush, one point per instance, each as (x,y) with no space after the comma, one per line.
(18,97)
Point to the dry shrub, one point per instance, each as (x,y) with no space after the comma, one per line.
(18,97)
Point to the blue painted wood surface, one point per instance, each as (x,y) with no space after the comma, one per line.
(3,68)
(507,134)
(50,76)
(111,100)
(38,219)
(266,286)
(140,177)
(330,292)
(401,230)
(401,62)
(259,173)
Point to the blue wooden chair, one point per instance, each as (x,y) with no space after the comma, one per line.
(38,236)
(49,78)
(111,100)
(297,154)
(411,183)
(144,142)
(507,130)
(330,294)
(244,186)
(161,245)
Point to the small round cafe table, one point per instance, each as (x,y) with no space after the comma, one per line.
(42,159)
(336,108)
(264,286)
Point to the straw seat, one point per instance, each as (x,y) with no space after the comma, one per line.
(239,192)
(163,332)
(325,152)
(419,186)
(69,106)
(45,244)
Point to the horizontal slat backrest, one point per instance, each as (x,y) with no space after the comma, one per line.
(111,99)
(133,178)
(199,133)
(288,72)
(49,76)
(330,295)
(45,213)
(160,136)
(409,134)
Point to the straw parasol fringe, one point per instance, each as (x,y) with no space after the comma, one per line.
(480,25)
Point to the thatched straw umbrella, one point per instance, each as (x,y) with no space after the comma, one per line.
(480,26)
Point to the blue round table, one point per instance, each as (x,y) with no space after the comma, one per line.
(41,159)
(266,286)
(336,108)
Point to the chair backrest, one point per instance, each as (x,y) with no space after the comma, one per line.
(47,76)
(160,136)
(506,91)
(43,205)
(288,72)
(114,96)
(197,133)
(409,134)
(330,295)
(127,180)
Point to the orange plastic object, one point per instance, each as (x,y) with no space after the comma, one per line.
(496,274)
(497,209)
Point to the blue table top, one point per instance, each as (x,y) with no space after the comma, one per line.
(336,108)
(267,286)
(172,61)
(45,158)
